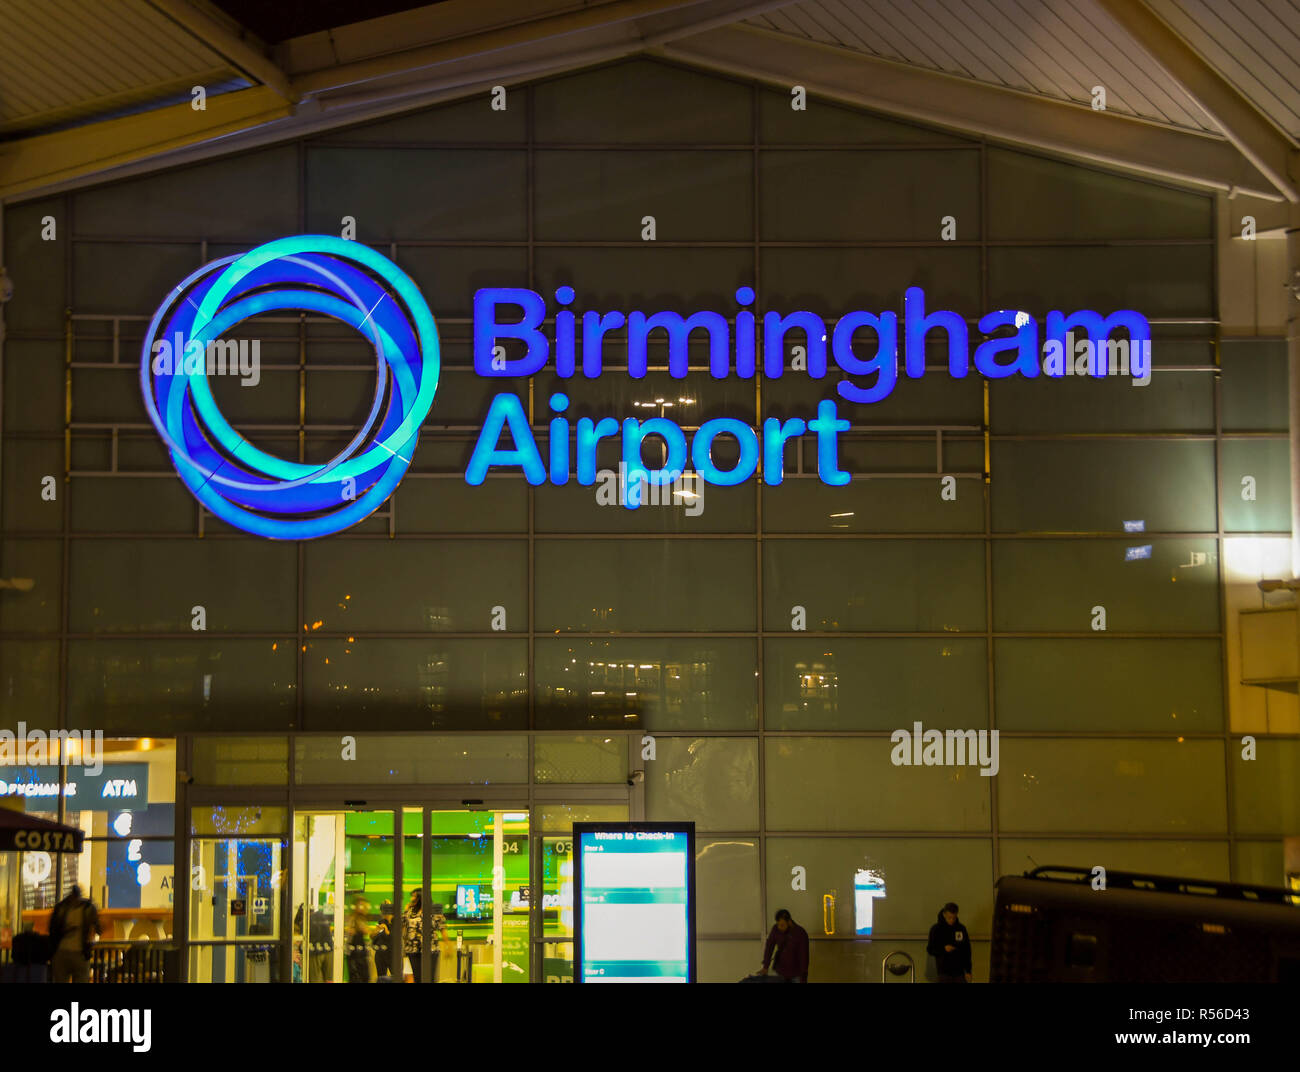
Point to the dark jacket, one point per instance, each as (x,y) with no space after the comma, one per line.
(792,955)
(956,935)
(89,922)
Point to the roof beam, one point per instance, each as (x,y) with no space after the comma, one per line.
(1268,148)
(634,21)
(230,47)
(30,163)
(970,107)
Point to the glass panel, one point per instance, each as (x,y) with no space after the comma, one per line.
(580,759)
(1044,585)
(37,269)
(33,576)
(727,887)
(557,890)
(611,586)
(132,882)
(1254,380)
(727,962)
(640,100)
(26,464)
(469,120)
(175,203)
(831,281)
(1036,197)
(1186,859)
(235,962)
(915,585)
(29,682)
(182,684)
(480,883)
(917,876)
(235,891)
(1129,785)
(1267,465)
(414,193)
(914,505)
(812,194)
(123,278)
(425,760)
(1160,281)
(319,912)
(817,783)
(852,684)
(712,781)
(662,684)
(241,820)
(34,385)
(416,684)
(692,194)
(557,962)
(1260,863)
(241,760)
(559,818)
(1182,401)
(241,586)
(825,122)
(1266,789)
(1097,487)
(416,585)
(1120,685)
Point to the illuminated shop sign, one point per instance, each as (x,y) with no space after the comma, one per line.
(114,786)
(861,352)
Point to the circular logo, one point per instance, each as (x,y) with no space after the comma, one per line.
(241,484)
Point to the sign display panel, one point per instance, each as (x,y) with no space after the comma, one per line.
(634,902)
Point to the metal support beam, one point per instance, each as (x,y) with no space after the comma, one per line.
(632,20)
(236,51)
(1268,148)
(1293,373)
(31,163)
(967,106)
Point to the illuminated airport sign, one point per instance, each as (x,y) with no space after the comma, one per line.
(861,351)
(634,902)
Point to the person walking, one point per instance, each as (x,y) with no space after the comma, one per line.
(72,922)
(360,962)
(382,942)
(949,944)
(791,943)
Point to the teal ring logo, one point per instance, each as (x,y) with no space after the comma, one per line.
(241,484)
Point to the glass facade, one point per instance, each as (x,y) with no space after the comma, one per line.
(742,662)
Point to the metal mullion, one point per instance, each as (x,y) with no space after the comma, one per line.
(760,646)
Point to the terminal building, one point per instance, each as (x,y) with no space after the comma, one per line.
(1086,580)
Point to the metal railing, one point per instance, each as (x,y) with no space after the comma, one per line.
(135,962)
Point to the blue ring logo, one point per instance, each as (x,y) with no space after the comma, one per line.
(245,486)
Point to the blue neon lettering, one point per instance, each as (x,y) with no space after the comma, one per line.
(828,425)
(775,327)
(589,434)
(1024,342)
(1099,329)
(702,450)
(678,329)
(884,364)
(487,330)
(774,436)
(918,325)
(506,411)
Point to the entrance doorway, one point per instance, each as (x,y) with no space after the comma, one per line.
(475,893)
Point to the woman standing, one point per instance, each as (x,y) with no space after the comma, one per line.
(412,932)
